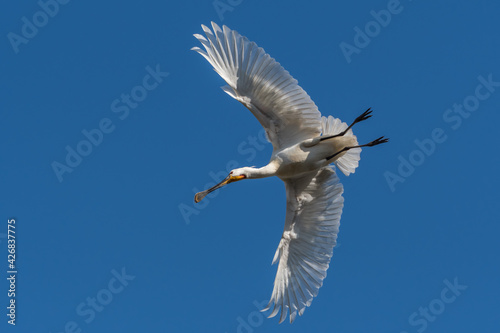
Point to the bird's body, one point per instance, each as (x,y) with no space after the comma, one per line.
(300,158)
(305,144)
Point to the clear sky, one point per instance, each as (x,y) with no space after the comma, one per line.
(109,124)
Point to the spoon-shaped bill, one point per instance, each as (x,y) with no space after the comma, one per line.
(229,179)
(200,195)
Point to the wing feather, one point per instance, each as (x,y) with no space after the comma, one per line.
(261,84)
(314,206)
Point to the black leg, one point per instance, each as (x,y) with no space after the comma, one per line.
(369,144)
(364,116)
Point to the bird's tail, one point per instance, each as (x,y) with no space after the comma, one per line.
(348,162)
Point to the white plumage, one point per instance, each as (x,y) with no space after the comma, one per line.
(314,205)
(349,162)
(255,79)
(305,144)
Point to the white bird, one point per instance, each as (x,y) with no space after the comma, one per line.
(304,146)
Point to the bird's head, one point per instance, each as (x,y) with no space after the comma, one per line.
(234,176)
(242,173)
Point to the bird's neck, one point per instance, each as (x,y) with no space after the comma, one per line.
(266,171)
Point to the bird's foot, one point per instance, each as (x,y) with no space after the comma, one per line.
(369,144)
(364,116)
(376,142)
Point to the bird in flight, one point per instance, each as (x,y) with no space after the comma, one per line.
(305,144)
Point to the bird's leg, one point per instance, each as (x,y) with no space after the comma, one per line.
(369,144)
(364,116)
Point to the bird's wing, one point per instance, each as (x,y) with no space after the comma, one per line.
(260,83)
(314,206)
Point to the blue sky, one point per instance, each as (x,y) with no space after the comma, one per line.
(112,241)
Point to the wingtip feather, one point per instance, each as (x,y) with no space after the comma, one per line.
(216,27)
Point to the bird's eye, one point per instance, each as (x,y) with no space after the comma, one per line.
(231,173)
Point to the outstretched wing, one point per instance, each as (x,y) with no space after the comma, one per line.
(260,83)
(314,206)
